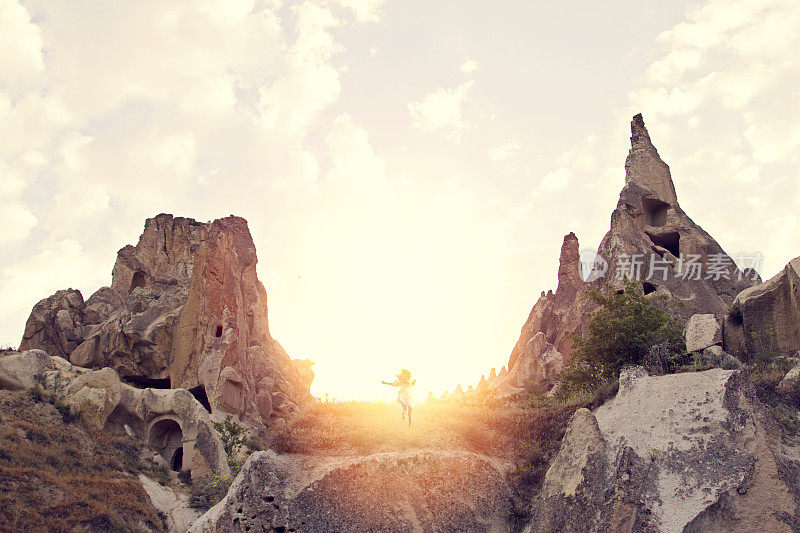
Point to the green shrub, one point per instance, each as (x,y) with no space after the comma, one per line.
(621,332)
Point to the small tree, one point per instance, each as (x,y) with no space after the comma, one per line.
(621,332)
(232,436)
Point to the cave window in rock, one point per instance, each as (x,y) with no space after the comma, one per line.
(648,288)
(199,392)
(655,212)
(218,331)
(139,280)
(670,241)
(177,460)
(166,438)
(144,382)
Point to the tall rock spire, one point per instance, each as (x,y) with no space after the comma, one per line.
(651,240)
(645,167)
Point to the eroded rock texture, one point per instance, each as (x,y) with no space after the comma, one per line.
(185,309)
(682,452)
(652,239)
(401,491)
(765,319)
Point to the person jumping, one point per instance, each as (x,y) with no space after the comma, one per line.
(404,383)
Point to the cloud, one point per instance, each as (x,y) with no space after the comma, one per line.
(469,66)
(442,111)
(727,71)
(505,151)
(21,43)
(365,10)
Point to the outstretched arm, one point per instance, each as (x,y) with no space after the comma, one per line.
(385,383)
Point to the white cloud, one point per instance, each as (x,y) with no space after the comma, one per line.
(469,66)
(365,10)
(442,111)
(505,151)
(556,180)
(17,224)
(20,41)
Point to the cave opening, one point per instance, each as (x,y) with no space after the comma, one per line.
(218,332)
(670,241)
(166,437)
(177,460)
(144,382)
(648,288)
(655,211)
(139,280)
(199,393)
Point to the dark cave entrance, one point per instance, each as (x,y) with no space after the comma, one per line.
(199,392)
(139,280)
(655,212)
(648,288)
(670,241)
(177,460)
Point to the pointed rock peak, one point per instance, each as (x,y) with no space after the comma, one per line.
(569,262)
(640,139)
(645,167)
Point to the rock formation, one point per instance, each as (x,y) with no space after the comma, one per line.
(681,452)
(185,309)
(651,239)
(172,422)
(765,319)
(399,491)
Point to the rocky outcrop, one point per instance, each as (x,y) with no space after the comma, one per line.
(682,452)
(172,422)
(185,309)
(55,324)
(765,319)
(402,491)
(650,239)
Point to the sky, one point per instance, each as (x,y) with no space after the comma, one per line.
(408,169)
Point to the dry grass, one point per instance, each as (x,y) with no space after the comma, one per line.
(65,477)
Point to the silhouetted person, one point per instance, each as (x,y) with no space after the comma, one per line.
(404,383)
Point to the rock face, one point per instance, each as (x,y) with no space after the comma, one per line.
(701,332)
(185,309)
(173,422)
(400,491)
(765,319)
(651,239)
(682,452)
(55,324)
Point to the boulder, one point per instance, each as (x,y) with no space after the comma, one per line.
(702,331)
(681,452)
(765,319)
(95,395)
(24,369)
(55,324)
(400,491)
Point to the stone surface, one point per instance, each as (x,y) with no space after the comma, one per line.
(20,371)
(648,224)
(682,452)
(400,491)
(104,401)
(702,331)
(185,309)
(173,504)
(765,319)
(55,324)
